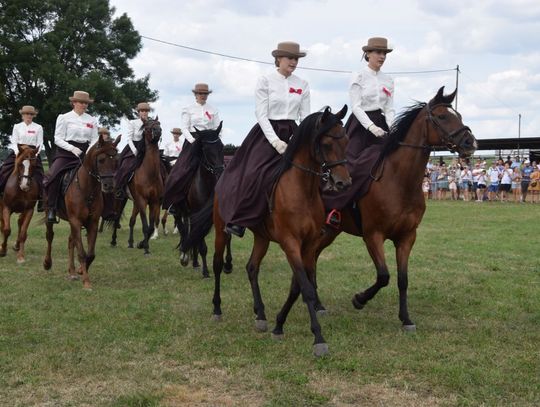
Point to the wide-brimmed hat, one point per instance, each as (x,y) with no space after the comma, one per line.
(104,130)
(28,109)
(377,44)
(288,49)
(143,106)
(201,88)
(80,96)
(176,130)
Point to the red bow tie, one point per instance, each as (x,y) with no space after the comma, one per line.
(293,90)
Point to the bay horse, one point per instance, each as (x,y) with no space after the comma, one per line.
(394,204)
(20,196)
(83,205)
(209,147)
(146,185)
(315,154)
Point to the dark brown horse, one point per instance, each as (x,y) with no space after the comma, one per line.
(20,196)
(146,185)
(83,205)
(209,148)
(316,152)
(394,204)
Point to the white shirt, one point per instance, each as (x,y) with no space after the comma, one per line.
(203,117)
(31,134)
(280,98)
(73,127)
(493,175)
(506,176)
(134,133)
(172,149)
(371,90)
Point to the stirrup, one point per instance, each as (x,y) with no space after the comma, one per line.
(235,230)
(333,219)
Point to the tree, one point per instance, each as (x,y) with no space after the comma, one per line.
(50,48)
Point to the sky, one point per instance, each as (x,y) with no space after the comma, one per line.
(494,43)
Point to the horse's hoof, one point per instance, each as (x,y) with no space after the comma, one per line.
(322,312)
(184,259)
(357,304)
(113,244)
(227,270)
(205,275)
(277,337)
(261,325)
(147,254)
(140,245)
(154,237)
(20,261)
(16,248)
(87,288)
(47,265)
(2,254)
(73,277)
(130,245)
(320,349)
(408,328)
(216,317)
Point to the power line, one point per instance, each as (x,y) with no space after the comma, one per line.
(271,63)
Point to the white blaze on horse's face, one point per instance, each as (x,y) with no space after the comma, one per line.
(25,184)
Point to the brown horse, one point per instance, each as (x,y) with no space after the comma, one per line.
(146,185)
(20,196)
(315,153)
(83,205)
(394,204)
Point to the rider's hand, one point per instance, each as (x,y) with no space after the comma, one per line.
(279,145)
(77,151)
(376,131)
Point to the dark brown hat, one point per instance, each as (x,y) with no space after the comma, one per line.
(201,88)
(288,49)
(377,44)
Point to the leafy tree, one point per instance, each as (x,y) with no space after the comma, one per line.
(50,48)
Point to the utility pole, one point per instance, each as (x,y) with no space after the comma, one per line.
(457,85)
(519,135)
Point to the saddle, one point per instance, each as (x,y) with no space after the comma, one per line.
(66,179)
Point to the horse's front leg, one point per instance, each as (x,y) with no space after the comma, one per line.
(228,267)
(81,253)
(164,223)
(72,275)
(375,247)
(203,250)
(146,226)
(24,222)
(91,236)
(220,239)
(132,220)
(403,250)
(6,229)
(260,247)
(49,234)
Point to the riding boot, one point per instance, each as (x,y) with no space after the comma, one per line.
(333,219)
(51,216)
(40,204)
(235,229)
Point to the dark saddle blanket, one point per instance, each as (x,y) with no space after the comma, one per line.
(66,179)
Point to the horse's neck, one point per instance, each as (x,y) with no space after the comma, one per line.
(86,181)
(308,183)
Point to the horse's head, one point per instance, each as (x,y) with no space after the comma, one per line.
(152,131)
(101,162)
(329,147)
(211,149)
(445,127)
(25,164)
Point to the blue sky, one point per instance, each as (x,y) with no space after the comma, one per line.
(494,42)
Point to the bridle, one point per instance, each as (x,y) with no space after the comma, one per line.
(452,139)
(215,170)
(21,177)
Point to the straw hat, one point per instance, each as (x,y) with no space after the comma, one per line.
(377,44)
(80,96)
(143,106)
(28,109)
(288,49)
(104,130)
(201,88)
(176,130)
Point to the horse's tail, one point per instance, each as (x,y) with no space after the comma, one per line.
(200,224)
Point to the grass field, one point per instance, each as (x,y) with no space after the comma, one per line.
(144,336)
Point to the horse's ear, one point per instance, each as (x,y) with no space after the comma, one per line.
(341,114)
(20,148)
(157,119)
(117,141)
(327,112)
(450,98)
(218,130)
(101,140)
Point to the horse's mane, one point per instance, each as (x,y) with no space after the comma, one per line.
(302,136)
(401,126)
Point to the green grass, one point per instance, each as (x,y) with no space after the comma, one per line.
(144,336)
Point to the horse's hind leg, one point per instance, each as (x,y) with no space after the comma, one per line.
(20,222)
(6,229)
(23,233)
(260,247)
(49,234)
(203,250)
(132,220)
(72,275)
(217,266)
(403,250)
(81,254)
(375,247)
(164,223)
(228,267)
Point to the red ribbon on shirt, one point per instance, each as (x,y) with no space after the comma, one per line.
(385,90)
(31,131)
(90,125)
(293,90)
(208,115)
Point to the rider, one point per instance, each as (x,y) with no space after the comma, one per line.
(75,132)
(130,157)
(372,100)
(28,133)
(173,148)
(281,99)
(199,115)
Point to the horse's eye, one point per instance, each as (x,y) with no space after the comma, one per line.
(101,160)
(442,116)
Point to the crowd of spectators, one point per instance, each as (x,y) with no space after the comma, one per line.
(480,180)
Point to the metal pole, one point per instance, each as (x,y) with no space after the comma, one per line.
(519,135)
(457,85)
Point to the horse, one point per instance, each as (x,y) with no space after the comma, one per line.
(145,188)
(83,205)
(394,204)
(20,196)
(209,147)
(315,155)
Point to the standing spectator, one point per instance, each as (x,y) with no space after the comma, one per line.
(526,172)
(452,186)
(506,182)
(516,184)
(434,183)
(425,187)
(443,182)
(534,186)
(475,174)
(493,188)
(466,181)
(482,183)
